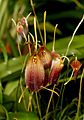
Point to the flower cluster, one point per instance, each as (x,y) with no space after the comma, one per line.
(43,66)
(42,69)
(22,28)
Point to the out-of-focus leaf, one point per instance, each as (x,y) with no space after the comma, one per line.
(1,95)
(12,44)
(31,20)
(3,113)
(23,116)
(3,7)
(77,46)
(2,46)
(3,24)
(11,69)
(49,27)
(67,14)
(10,87)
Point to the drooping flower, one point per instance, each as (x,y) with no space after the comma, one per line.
(56,67)
(45,56)
(22,29)
(76,65)
(34,73)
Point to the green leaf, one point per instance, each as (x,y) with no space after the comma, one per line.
(2,46)
(12,44)
(3,113)
(66,14)
(23,116)
(3,25)
(77,46)
(3,7)
(10,87)
(11,69)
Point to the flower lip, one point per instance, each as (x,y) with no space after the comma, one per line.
(76,65)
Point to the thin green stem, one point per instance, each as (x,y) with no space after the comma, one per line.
(39,111)
(78,4)
(66,58)
(74,35)
(30,102)
(79,101)
(32,5)
(22,95)
(45,27)
(69,79)
(13,21)
(50,90)
(32,36)
(21,87)
(29,47)
(35,32)
(53,48)
(49,103)
(28,16)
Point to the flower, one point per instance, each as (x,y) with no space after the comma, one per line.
(76,65)
(24,21)
(45,56)
(20,30)
(34,73)
(56,67)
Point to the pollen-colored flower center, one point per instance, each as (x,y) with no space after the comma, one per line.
(35,59)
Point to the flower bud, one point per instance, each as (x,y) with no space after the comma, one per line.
(45,57)
(24,22)
(56,67)
(75,66)
(20,30)
(34,73)
(25,25)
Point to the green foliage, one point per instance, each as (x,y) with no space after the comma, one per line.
(12,83)
(76,47)
(13,66)
(23,116)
